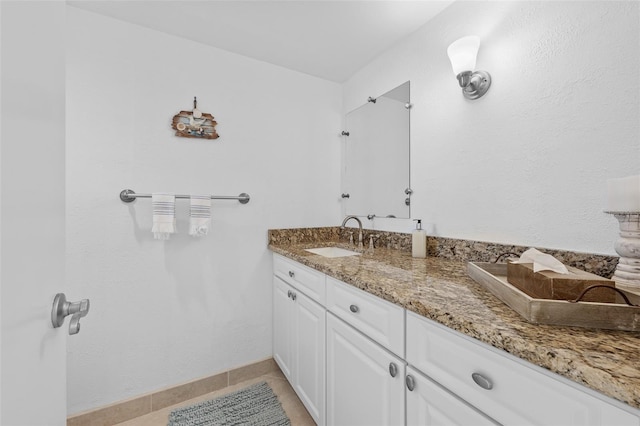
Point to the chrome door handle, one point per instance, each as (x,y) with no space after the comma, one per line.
(482,381)
(61,308)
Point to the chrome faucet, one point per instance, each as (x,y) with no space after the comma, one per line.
(360,246)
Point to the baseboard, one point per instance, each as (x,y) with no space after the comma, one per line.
(131,408)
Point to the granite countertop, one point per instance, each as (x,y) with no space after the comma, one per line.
(440,289)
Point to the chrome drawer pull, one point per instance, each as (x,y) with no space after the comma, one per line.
(291,274)
(354,309)
(410,381)
(393,369)
(482,381)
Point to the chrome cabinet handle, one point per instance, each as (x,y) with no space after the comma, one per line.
(293,295)
(393,369)
(292,274)
(410,382)
(289,294)
(354,309)
(482,381)
(61,308)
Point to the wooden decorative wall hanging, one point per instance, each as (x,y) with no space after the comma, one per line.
(195,124)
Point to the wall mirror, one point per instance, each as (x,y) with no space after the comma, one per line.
(375,177)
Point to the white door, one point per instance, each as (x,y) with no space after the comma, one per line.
(309,355)
(360,388)
(32,216)
(282,327)
(429,404)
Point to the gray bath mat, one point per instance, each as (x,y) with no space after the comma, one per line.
(256,405)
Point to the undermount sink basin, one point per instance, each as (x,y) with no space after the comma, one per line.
(332,252)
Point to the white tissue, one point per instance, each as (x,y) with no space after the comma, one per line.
(542,261)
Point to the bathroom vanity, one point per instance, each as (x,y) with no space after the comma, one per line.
(383,338)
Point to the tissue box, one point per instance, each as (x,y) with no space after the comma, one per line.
(552,285)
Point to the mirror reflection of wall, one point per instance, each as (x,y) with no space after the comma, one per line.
(376,156)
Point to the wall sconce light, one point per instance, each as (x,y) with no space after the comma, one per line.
(462,54)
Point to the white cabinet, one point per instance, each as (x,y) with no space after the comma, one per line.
(356,352)
(299,345)
(380,320)
(364,381)
(283,327)
(428,404)
(309,355)
(503,387)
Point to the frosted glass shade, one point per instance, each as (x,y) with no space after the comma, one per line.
(462,54)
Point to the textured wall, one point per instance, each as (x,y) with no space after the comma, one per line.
(526,164)
(166,312)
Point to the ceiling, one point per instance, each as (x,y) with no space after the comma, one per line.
(327,39)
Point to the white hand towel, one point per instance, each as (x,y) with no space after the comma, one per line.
(164,215)
(200,215)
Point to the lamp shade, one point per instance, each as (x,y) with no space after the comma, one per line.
(462,54)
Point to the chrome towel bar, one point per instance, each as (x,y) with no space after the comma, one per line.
(128,196)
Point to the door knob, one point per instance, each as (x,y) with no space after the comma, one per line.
(61,308)
(410,382)
(393,369)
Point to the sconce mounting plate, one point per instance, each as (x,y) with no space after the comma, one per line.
(478,86)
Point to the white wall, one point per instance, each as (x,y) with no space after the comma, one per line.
(527,163)
(166,312)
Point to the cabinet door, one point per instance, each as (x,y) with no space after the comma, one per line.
(429,404)
(282,326)
(360,388)
(309,355)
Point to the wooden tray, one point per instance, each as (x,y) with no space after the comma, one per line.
(612,316)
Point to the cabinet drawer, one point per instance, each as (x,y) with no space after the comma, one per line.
(307,280)
(514,392)
(380,320)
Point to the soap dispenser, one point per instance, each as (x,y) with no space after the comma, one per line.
(419,241)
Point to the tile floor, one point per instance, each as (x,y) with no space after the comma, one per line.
(287,396)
